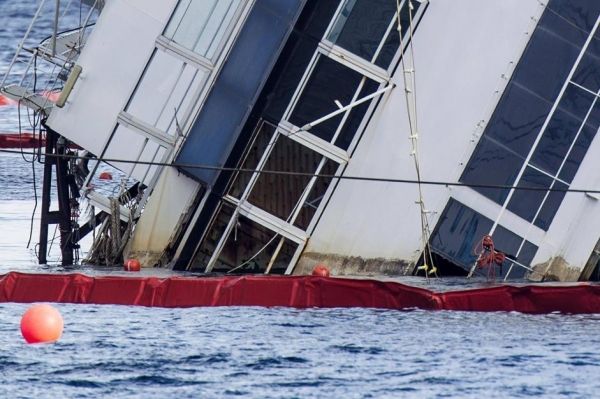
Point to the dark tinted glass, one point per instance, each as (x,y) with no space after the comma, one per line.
(492,164)
(212,237)
(577,153)
(329,81)
(287,249)
(518,119)
(362,25)
(392,42)
(588,71)
(555,142)
(526,203)
(356,116)
(550,206)
(248,248)
(297,53)
(457,232)
(309,208)
(508,243)
(582,13)
(549,57)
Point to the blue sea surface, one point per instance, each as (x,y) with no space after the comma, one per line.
(125,352)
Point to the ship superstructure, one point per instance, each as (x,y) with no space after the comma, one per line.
(375,136)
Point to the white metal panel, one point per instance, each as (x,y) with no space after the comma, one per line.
(170,200)
(113,60)
(462,49)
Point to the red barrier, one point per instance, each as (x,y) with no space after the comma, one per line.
(290,291)
(23,140)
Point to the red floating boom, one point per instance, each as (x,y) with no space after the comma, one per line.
(23,140)
(294,291)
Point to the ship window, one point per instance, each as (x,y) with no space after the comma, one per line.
(527,102)
(457,232)
(279,194)
(492,164)
(163,100)
(248,248)
(460,229)
(200,25)
(283,257)
(329,82)
(310,206)
(588,71)
(253,156)
(562,130)
(211,240)
(549,57)
(526,203)
(362,25)
(392,42)
(577,154)
(518,119)
(551,205)
(356,116)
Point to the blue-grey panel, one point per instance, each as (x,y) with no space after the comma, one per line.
(460,229)
(526,203)
(237,86)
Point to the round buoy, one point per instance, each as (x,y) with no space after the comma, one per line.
(321,271)
(105,176)
(41,324)
(132,265)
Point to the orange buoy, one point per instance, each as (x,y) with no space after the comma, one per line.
(321,271)
(41,324)
(132,265)
(105,176)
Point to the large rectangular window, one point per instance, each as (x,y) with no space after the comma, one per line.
(200,25)
(542,107)
(459,231)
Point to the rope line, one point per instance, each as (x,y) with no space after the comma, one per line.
(326,176)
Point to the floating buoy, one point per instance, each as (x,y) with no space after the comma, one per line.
(41,324)
(132,265)
(105,176)
(321,271)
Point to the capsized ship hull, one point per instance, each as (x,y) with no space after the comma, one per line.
(374,136)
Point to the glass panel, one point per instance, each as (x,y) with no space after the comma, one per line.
(216,230)
(284,257)
(492,164)
(527,253)
(526,203)
(199,25)
(356,116)
(588,71)
(562,129)
(309,208)
(278,194)
(362,24)
(581,13)
(248,248)
(549,57)
(297,54)
(551,206)
(392,43)
(518,119)
(457,232)
(508,242)
(577,154)
(330,81)
(254,154)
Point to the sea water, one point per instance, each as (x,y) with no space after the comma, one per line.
(133,352)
